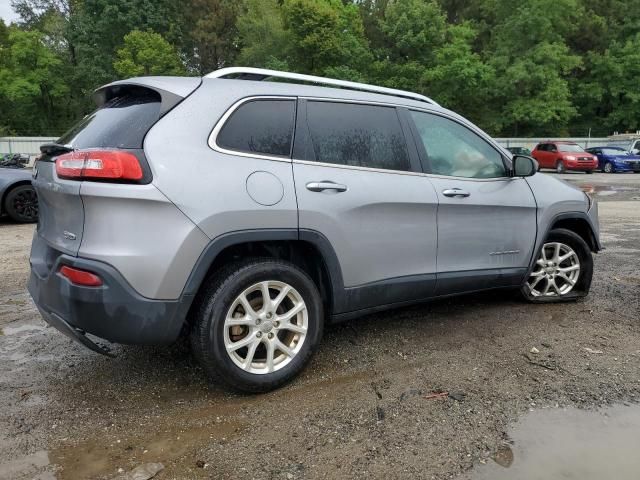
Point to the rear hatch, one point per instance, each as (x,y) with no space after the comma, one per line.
(126,111)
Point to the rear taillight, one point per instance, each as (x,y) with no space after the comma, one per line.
(80,277)
(99,165)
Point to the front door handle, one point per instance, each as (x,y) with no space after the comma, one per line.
(455,192)
(326,185)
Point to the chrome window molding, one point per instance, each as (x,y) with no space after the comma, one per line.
(213,136)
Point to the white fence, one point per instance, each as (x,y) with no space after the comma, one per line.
(25,145)
(532,142)
(31,145)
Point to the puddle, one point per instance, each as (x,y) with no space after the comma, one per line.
(26,467)
(98,456)
(606,190)
(569,444)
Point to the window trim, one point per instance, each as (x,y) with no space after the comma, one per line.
(412,156)
(424,155)
(213,136)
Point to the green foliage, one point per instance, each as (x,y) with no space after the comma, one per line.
(147,53)
(324,34)
(30,81)
(533,67)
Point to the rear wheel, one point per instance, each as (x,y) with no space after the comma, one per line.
(562,271)
(258,324)
(608,168)
(560,168)
(21,204)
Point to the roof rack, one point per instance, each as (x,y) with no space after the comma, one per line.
(259,74)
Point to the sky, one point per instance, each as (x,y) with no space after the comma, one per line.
(6,12)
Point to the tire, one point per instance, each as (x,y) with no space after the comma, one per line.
(21,204)
(608,168)
(560,168)
(220,303)
(582,280)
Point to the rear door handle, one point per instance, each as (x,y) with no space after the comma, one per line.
(455,192)
(326,185)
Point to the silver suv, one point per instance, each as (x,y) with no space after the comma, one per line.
(247,213)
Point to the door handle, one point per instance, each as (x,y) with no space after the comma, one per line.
(455,192)
(326,185)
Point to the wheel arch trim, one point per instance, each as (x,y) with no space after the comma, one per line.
(595,246)
(222,242)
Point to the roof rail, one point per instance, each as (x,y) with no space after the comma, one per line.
(258,74)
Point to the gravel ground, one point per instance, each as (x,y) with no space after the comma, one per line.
(360,408)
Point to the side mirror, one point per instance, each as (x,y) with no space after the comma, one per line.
(524,166)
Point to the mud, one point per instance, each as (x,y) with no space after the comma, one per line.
(363,407)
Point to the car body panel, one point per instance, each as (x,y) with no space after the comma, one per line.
(465,243)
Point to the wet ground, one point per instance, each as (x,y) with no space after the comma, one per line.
(438,391)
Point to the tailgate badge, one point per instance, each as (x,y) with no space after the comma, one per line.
(69,235)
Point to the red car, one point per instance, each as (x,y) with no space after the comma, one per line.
(563,156)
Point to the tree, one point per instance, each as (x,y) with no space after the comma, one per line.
(30,82)
(212,38)
(264,40)
(324,34)
(147,53)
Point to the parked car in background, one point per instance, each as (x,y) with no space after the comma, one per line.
(563,156)
(615,159)
(295,205)
(626,141)
(519,151)
(18,199)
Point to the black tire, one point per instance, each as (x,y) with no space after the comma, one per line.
(608,168)
(560,168)
(583,284)
(207,334)
(21,204)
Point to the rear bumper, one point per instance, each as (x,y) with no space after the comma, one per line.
(113,311)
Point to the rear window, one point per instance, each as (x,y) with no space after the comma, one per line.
(260,126)
(122,122)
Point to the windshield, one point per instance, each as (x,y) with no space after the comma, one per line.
(569,147)
(614,151)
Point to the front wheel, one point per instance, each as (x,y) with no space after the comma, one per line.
(560,168)
(258,324)
(563,269)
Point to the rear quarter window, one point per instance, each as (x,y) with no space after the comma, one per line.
(122,122)
(260,127)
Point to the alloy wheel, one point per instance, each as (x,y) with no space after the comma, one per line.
(25,204)
(556,271)
(265,327)
(608,168)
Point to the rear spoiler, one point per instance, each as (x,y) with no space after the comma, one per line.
(172,90)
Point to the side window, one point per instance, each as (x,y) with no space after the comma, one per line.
(552,148)
(358,135)
(456,151)
(637,146)
(261,127)
(542,147)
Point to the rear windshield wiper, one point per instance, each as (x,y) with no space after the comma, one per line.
(52,148)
